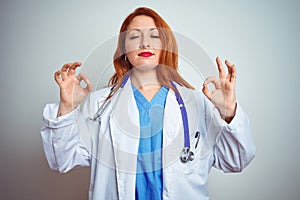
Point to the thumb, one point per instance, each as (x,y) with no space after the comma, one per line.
(206,91)
(82,76)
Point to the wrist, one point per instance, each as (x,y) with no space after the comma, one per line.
(229,113)
(64,109)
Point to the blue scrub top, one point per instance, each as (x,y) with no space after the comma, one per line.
(149,159)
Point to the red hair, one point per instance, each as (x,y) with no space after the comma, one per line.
(167,69)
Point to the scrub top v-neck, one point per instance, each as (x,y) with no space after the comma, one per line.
(149,159)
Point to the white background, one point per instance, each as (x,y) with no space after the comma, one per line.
(260,37)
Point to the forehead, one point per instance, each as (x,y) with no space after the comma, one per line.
(141,22)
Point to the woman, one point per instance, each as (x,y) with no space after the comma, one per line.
(134,146)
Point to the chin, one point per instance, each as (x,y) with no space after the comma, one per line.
(146,67)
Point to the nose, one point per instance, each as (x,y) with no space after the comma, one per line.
(145,43)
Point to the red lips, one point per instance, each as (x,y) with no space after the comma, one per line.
(145,54)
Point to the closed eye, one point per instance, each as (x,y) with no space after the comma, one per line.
(133,37)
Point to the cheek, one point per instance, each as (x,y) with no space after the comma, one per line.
(158,54)
(156,44)
(131,45)
(157,47)
(131,56)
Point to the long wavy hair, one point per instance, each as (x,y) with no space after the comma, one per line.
(167,70)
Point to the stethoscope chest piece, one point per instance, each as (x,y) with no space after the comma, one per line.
(186,155)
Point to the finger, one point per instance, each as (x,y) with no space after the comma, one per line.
(222,73)
(231,76)
(65,67)
(73,67)
(57,77)
(64,70)
(82,76)
(206,91)
(214,81)
(228,63)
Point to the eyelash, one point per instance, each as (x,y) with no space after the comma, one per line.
(133,37)
(153,36)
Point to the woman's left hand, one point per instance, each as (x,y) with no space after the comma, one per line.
(223,96)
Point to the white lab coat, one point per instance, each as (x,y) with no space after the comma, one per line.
(110,145)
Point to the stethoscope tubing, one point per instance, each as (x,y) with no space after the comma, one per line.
(186,154)
(184,118)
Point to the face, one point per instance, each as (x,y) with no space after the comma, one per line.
(143,44)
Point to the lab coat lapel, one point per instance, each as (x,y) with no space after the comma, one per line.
(172,131)
(125,132)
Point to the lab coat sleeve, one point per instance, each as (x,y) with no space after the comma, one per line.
(62,144)
(234,147)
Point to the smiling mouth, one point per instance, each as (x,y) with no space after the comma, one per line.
(145,54)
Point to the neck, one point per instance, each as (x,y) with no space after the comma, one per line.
(145,79)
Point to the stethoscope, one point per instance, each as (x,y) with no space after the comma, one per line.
(186,153)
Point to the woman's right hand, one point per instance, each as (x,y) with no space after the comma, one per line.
(71,92)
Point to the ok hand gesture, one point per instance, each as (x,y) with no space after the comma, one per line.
(223,96)
(71,92)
